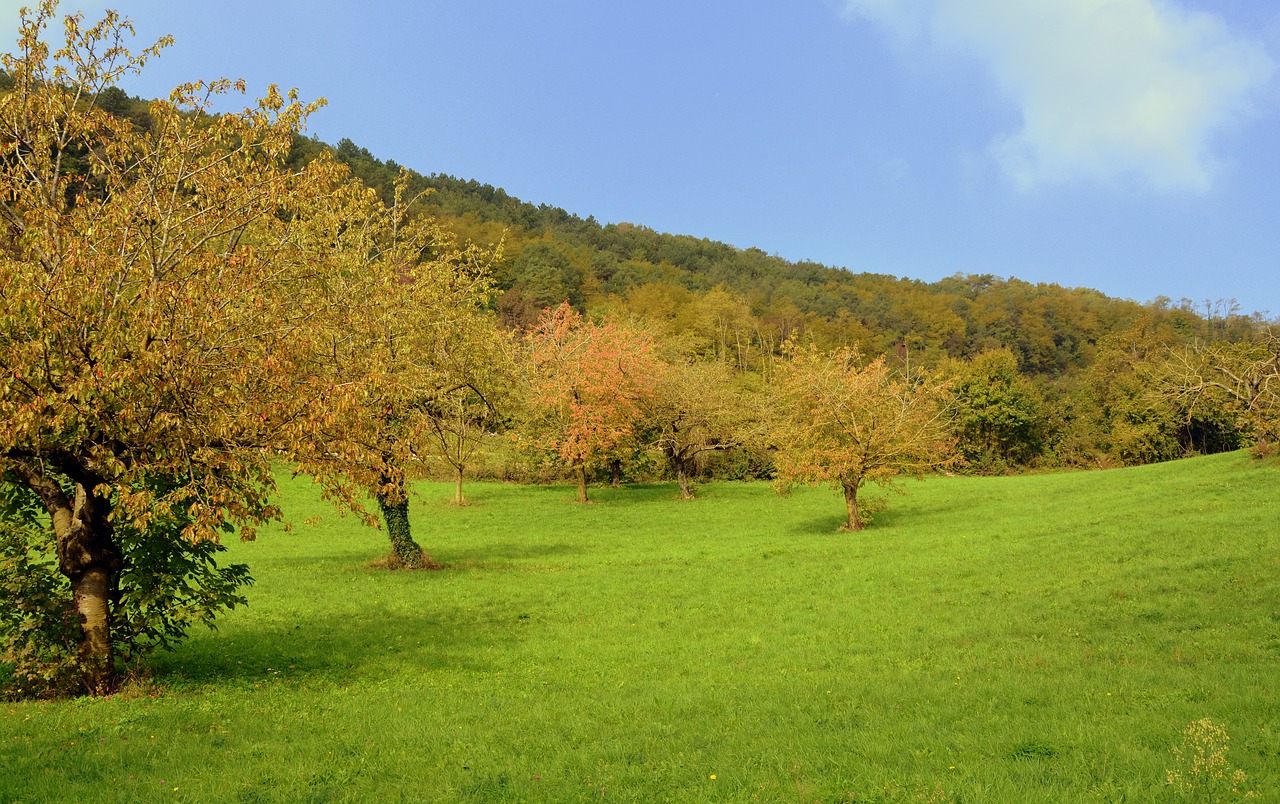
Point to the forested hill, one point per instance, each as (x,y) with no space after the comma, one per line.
(744,303)
(550,255)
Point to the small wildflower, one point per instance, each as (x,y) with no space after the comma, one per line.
(713,777)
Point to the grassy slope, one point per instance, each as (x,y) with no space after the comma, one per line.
(1032,638)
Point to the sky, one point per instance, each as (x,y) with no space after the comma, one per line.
(1130,146)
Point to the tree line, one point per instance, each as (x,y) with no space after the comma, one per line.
(189,301)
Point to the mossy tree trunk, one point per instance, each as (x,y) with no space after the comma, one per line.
(581,471)
(405,552)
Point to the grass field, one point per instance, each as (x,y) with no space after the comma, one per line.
(1039,638)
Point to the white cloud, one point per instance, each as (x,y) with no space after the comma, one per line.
(1108,89)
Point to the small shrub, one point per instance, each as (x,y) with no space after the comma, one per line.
(167,586)
(869,507)
(39,630)
(741,463)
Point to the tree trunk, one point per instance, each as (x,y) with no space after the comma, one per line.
(582,483)
(405,552)
(851,505)
(458,464)
(679,466)
(88,556)
(615,473)
(91,593)
(682,479)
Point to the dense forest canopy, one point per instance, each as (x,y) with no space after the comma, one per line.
(550,255)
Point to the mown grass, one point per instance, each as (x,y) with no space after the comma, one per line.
(1041,638)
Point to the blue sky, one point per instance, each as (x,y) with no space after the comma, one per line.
(1131,146)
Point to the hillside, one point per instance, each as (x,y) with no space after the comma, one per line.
(549,255)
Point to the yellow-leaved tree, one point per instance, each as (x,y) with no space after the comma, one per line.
(415,334)
(166,308)
(845,422)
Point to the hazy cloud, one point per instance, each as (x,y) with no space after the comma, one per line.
(1106,88)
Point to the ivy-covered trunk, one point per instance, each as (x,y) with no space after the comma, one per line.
(405,552)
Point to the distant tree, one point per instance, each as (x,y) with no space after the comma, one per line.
(1110,415)
(847,423)
(1242,378)
(461,417)
(115,100)
(587,384)
(999,416)
(546,275)
(698,408)
(458,426)
(1123,409)
(723,321)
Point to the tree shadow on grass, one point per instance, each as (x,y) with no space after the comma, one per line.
(340,648)
(877,524)
(506,553)
(627,493)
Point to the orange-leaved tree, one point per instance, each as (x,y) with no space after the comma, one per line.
(587,385)
(160,307)
(845,422)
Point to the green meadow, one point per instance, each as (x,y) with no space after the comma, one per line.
(1035,638)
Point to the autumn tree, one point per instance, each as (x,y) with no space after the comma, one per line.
(413,334)
(1242,378)
(587,385)
(698,408)
(481,394)
(1120,410)
(159,308)
(847,423)
(459,423)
